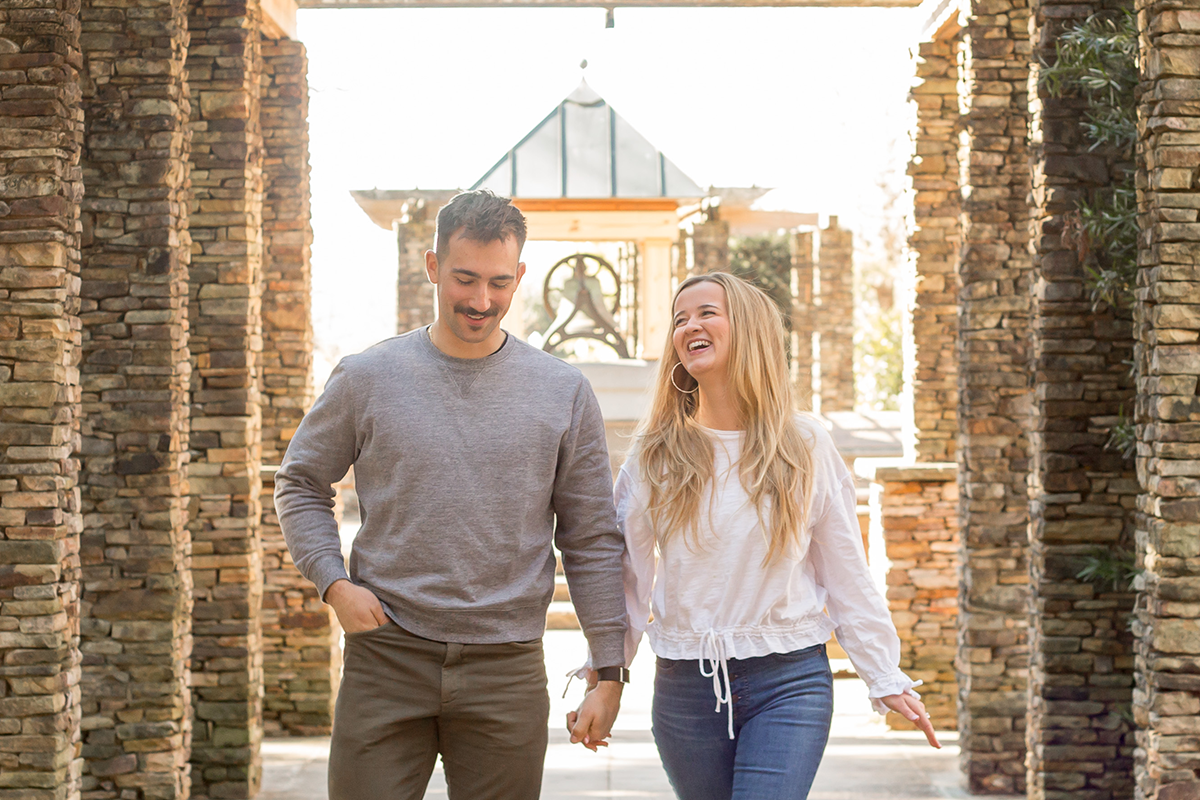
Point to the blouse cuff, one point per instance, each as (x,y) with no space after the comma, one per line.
(582,672)
(894,684)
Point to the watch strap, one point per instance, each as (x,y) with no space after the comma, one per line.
(619,674)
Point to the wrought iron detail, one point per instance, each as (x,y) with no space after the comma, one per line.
(583,292)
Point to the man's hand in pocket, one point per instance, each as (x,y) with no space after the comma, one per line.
(357,609)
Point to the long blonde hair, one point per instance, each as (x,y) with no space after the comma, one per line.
(775,465)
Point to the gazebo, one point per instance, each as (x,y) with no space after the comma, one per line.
(583,174)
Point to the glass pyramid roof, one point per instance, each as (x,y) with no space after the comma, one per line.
(585,149)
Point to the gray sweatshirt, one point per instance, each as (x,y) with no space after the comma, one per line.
(466,470)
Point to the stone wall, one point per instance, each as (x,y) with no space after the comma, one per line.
(1167,329)
(1081,493)
(803,317)
(919,510)
(835,317)
(41,184)
(415,299)
(300,646)
(135,548)
(931,364)
(993,359)
(224,72)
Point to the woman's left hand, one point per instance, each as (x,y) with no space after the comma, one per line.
(913,710)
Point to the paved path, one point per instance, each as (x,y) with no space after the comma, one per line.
(864,760)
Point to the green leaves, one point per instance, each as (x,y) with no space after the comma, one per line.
(765,261)
(1123,437)
(1109,222)
(1115,568)
(1097,60)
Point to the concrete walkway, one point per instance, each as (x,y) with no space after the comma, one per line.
(864,760)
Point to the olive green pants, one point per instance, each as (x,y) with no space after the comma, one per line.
(404,700)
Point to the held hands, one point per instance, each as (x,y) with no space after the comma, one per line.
(913,710)
(592,723)
(357,609)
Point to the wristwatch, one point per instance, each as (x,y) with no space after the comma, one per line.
(619,674)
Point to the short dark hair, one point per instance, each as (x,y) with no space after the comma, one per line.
(482,216)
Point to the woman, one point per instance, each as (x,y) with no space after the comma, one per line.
(739,518)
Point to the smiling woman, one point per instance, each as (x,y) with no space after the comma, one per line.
(744,553)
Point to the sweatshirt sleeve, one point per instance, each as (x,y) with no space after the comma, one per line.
(320,453)
(864,624)
(586,531)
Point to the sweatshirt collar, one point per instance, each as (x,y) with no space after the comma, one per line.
(474,364)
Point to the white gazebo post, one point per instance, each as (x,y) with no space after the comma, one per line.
(654,297)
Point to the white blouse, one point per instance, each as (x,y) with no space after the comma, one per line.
(717,601)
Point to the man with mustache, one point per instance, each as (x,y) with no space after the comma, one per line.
(472,452)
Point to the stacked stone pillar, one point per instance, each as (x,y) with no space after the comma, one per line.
(224,72)
(40,188)
(1081,494)
(993,363)
(803,316)
(835,318)
(710,245)
(137,597)
(414,293)
(1167,328)
(919,513)
(300,651)
(931,363)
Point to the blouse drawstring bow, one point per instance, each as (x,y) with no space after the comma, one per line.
(718,666)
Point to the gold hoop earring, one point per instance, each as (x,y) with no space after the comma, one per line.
(679,364)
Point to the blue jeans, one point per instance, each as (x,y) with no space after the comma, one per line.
(782,707)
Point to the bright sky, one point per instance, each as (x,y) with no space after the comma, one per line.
(811,101)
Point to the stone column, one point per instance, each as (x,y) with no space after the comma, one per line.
(919,511)
(40,188)
(300,649)
(710,246)
(681,259)
(835,318)
(1167,327)
(415,299)
(137,600)
(803,317)
(1080,737)
(993,359)
(224,70)
(931,364)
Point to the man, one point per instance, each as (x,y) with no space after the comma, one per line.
(472,452)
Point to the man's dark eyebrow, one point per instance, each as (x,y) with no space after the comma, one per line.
(468,273)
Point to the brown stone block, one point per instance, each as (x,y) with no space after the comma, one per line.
(139,604)
(30,706)
(1176,636)
(1187,510)
(113,766)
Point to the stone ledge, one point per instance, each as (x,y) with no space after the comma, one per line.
(898,470)
(939,471)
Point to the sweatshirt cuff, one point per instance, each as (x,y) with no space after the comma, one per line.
(327,570)
(607,649)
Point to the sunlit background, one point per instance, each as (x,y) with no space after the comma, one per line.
(812,102)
